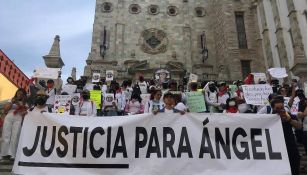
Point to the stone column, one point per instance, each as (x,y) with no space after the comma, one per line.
(300,60)
(279,35)
(265,34)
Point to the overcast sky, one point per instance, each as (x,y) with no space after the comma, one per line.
(28,28)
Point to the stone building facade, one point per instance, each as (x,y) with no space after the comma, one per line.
(283,32)
(214,39)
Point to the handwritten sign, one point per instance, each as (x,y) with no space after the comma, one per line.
(278,72)
(259,77)
(257,94)
(48,73)
(95,96)
(196,102)
(62,104)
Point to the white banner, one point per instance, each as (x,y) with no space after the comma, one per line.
(48,73)
(257,94)
(165,144)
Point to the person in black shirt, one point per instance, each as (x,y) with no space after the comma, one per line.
(288,122)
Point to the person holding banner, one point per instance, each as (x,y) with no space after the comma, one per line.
(223,95)
(288,122)
(169,107)
(155,104)
(134,105)
(210,92)
(14,111)
(40,102)
(51,91)
(231,106)
(86,106)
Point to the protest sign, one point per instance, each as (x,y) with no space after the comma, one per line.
(109,75)
(47,73)
(75,99)
(62,104)
(196,102)
(164,144)
(257,94)
(259,77)
(96,77)
(70,89)
(193,78)
(108,99)
(278,72)
(96,98)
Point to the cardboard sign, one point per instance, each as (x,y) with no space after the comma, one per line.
(278,72)
(70,89)
(257,94)
(62,104)
(96,98)
(164,144)
(196,102)
(109,75)
(193,78)
(96,77)
(47,73)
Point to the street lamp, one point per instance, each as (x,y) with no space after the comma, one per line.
(204,49)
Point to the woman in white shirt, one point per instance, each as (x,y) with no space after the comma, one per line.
(86,107)
(155,104)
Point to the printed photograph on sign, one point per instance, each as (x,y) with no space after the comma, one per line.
(62,104)
(96,77)
(109,99)
(75,99)
(109,75)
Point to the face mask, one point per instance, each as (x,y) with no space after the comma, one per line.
(40,101)
(50,85)
(211,88)
(232,103)
(86,97)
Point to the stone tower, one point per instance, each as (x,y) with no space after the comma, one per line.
(53,59)
(147,37)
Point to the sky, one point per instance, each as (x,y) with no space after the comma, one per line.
(28,28)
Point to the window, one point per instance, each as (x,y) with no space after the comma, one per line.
(134,9)
(107,7)
(246,68)
(200,12)
(172,11)
(153,9)
(241,30)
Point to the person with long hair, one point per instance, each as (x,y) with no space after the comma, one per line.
(134,105)
(155,104)
(15,112)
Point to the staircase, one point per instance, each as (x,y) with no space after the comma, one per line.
(6,167)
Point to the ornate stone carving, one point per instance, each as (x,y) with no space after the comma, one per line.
(154,41)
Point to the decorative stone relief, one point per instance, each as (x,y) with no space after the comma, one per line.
(172,10)
(153,10)
(106,7)
(200,12)
(153,41)
(134,9)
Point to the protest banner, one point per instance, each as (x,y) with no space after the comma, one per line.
(70,89)
(257,94)
(62,104)
(109,75)
(47,73)
(196,102)
(164,144)
(278,72)
(96,77)
(95,96)
(75,99)
(109,99)
(259,77)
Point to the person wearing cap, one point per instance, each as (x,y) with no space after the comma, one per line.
(40,102)
(169,107)
(51,91)
(210,92)
(86,106)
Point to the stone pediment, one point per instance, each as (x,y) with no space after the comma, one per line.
(138,66)
(104,62)
(175,66)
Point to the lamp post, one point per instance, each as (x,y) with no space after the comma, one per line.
(104,45)
(204,49)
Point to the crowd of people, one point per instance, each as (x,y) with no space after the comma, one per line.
(287,100)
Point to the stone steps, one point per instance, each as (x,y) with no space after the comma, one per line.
(6,167)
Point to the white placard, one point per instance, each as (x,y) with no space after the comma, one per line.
(109,75)
(62,104)
(108,99)
(257,94)
(278,72)
(47,73)
(96,77)
(75,99)
(259,77)
(193,78)
(165,144)
(70,89)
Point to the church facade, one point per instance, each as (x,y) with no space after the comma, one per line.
(214,39)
